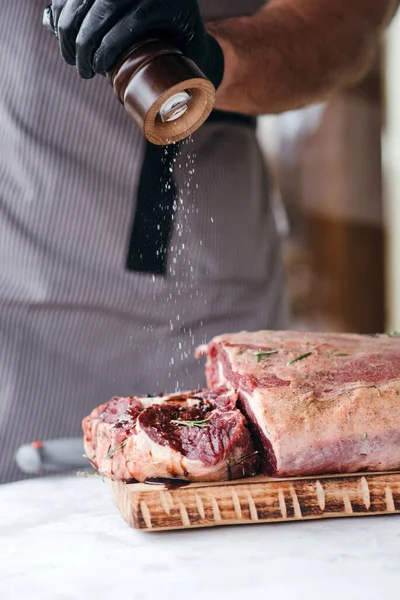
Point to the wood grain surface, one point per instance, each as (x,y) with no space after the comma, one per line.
(257,500)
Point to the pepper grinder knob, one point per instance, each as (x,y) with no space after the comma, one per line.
(164,92)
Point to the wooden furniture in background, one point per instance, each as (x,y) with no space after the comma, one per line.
(342,187)
(330,180)
(348,261)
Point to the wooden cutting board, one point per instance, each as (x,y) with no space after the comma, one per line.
(257,500)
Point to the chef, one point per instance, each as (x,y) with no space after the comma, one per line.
(97,300)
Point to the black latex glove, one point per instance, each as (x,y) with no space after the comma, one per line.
(94,34)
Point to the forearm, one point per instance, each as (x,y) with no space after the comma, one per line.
(294,52)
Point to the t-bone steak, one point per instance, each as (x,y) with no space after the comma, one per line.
(193,436)
(316,403)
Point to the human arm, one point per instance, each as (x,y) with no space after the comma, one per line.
(295,52)
(288,54)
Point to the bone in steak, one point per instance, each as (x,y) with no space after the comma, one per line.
(194,436)
(317,403)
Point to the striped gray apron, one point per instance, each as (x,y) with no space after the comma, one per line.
(78,322)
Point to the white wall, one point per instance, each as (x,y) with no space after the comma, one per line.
(391,164)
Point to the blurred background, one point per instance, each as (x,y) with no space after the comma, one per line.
(335,170)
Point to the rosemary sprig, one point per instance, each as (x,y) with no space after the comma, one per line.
(389,334)
(110,453)
(86,474)
(364,436)
(230,463)
(297,358)
(342,354)
(261,353)
(243,458)
(96,475)
(200,424)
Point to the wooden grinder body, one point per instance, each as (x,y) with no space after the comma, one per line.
(153,73)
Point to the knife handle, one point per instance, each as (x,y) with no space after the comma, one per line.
(51,455)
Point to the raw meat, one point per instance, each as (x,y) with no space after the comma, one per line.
(193,436)
(317,403)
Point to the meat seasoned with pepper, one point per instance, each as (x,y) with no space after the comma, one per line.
(316,403)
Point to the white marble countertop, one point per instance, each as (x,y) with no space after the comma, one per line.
(63,539)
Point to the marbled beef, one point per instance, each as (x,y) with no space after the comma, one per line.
(194,436)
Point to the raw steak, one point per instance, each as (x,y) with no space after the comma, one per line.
(194,436)
(317,403)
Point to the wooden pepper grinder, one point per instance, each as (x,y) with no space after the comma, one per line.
(163,92)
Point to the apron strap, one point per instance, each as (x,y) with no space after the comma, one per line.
(156,202)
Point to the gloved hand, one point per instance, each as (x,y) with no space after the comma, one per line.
(94,34)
